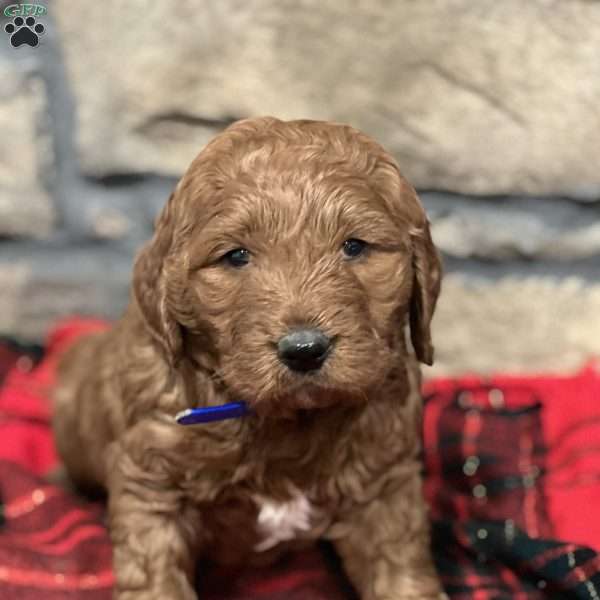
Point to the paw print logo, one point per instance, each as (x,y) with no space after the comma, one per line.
(24,31)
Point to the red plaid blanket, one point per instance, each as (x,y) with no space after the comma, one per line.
(513,479)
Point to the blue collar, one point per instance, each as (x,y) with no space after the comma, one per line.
(207,414)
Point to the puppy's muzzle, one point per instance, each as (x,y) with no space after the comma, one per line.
(304,349)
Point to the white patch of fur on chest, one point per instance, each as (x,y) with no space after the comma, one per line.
(281,521)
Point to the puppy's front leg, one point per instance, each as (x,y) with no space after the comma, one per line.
(384,543)
(155,533)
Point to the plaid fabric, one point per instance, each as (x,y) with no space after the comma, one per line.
(513,480)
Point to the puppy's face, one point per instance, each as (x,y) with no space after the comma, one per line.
(301,290)
(292,260)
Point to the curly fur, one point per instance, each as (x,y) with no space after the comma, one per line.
(340,446)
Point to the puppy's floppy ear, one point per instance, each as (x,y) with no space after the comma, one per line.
(427,274)
(150,285)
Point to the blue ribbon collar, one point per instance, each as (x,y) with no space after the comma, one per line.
(208,414)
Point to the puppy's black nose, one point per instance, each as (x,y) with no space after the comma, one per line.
(304,349)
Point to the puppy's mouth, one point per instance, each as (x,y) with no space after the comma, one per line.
(282,379)
(307,396)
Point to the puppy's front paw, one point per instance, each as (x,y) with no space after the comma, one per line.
(133,582)
(173,587)
(408,588)
(150,596)
(415,596)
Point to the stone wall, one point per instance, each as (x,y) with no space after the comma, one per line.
(490,108)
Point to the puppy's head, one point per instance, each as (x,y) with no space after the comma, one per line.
(293,254)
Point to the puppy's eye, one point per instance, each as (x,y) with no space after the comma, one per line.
(353,247)
(239,257)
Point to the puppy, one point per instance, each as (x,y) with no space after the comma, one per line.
(284,272)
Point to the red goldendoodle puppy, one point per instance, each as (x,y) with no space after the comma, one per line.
(283,272)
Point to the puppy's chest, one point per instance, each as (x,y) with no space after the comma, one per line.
(281,521)
(256,523)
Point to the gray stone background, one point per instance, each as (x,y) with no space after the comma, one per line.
(492,109)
